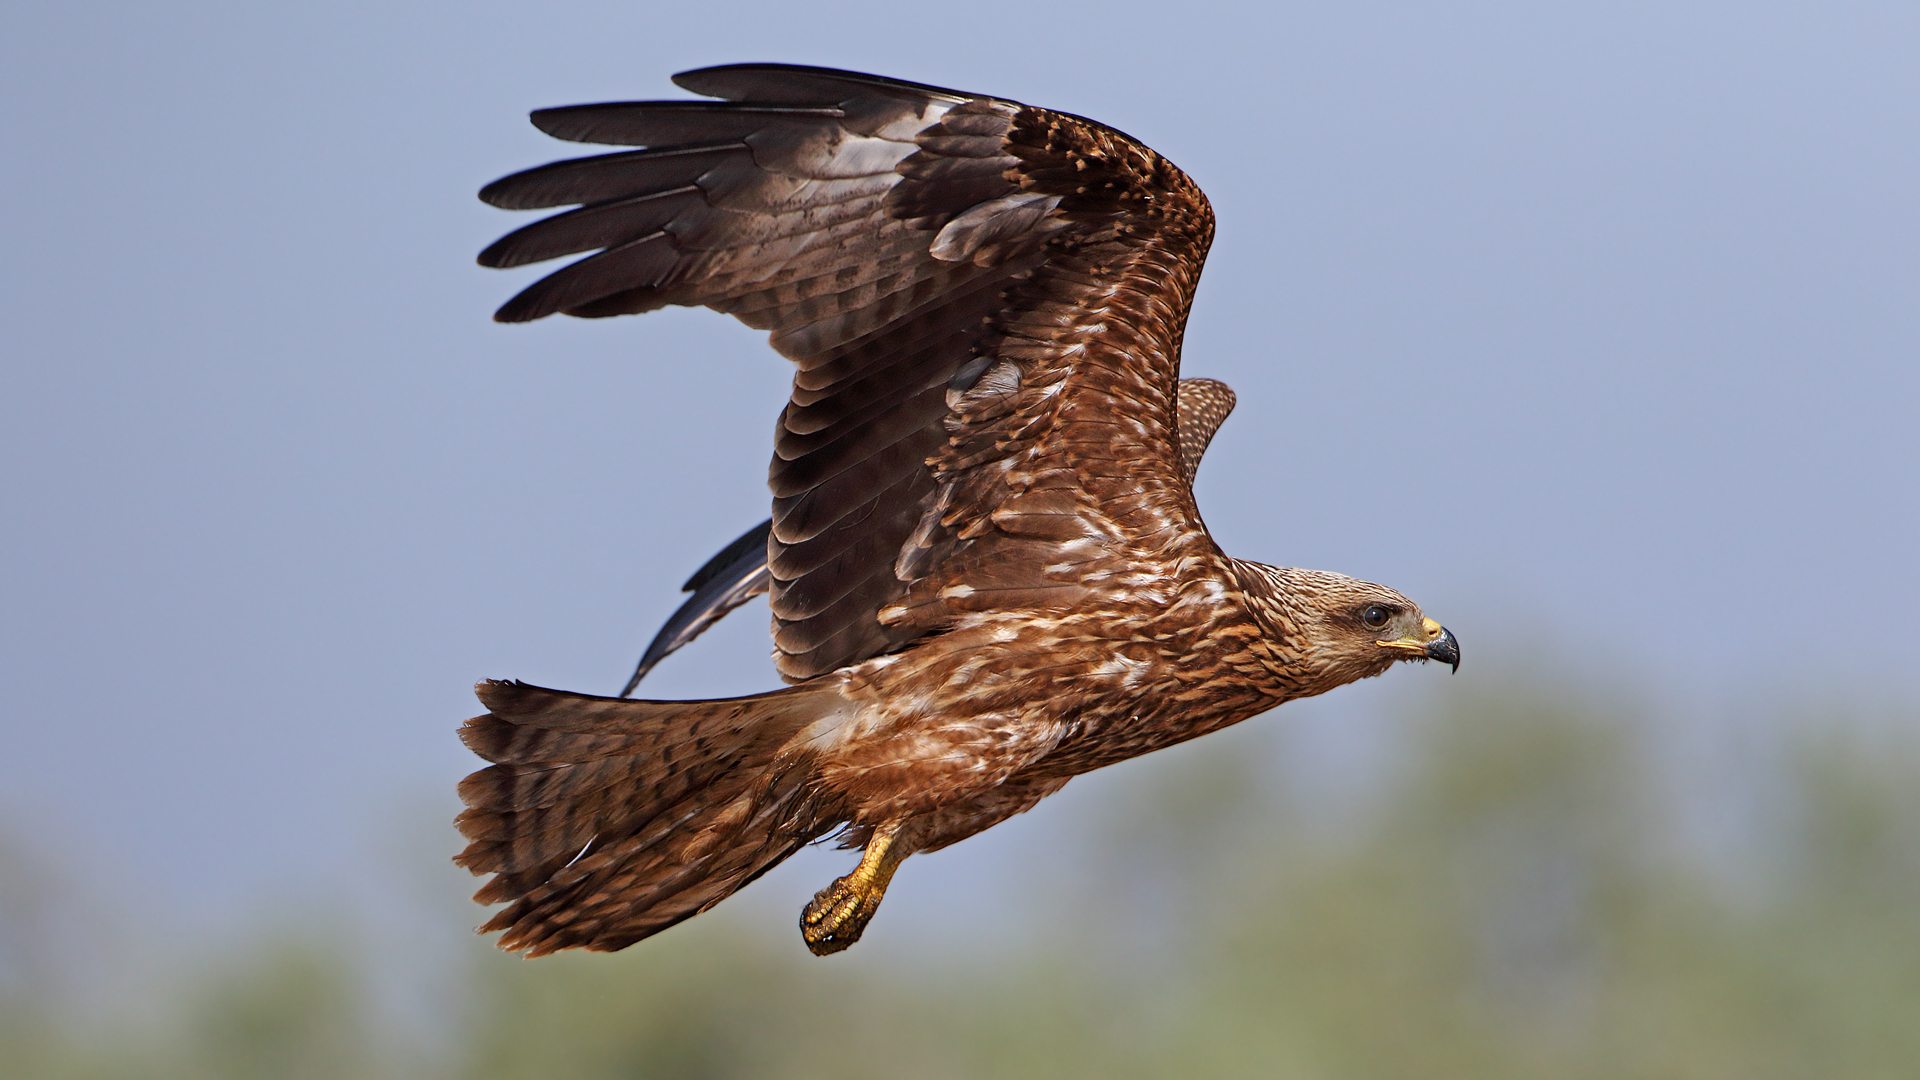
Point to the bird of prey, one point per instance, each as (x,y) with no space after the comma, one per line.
(985,566)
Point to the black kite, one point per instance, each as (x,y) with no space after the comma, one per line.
(985,565)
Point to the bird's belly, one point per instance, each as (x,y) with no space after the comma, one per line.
(937,728)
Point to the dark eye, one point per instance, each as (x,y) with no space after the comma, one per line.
(1376,616)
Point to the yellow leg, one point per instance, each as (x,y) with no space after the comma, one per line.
(837,915)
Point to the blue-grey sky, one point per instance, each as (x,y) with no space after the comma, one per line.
(1593,327)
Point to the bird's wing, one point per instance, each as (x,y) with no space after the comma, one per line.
(1202,406)
(735,575)
(984,302)
(738,572)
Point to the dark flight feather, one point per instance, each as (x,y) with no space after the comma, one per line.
(736,574)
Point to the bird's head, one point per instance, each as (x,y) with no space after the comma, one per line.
(1340,628)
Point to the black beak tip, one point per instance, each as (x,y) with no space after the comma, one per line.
(1445,648)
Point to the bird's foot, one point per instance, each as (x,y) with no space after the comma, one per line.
(838,914)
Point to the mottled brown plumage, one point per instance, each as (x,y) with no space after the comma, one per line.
(738,572)
(986,569)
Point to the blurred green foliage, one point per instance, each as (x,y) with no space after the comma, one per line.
(1517,904)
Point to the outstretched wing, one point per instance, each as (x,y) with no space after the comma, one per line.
(738,572)
(984,302)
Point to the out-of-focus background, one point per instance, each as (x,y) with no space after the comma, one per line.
(1594,327)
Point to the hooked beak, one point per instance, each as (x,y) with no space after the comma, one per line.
(1431,642)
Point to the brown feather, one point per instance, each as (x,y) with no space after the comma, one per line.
(680,803)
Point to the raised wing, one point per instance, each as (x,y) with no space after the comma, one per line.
(1200,408)
(738,572)
(984,302)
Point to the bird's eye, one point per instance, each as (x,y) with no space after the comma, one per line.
(1376,616)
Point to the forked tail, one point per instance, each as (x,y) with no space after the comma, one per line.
(607,820)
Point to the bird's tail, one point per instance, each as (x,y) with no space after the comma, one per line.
(605,820)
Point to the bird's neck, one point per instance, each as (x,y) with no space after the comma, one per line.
(1283,601)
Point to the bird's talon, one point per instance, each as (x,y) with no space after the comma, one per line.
(837,916)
